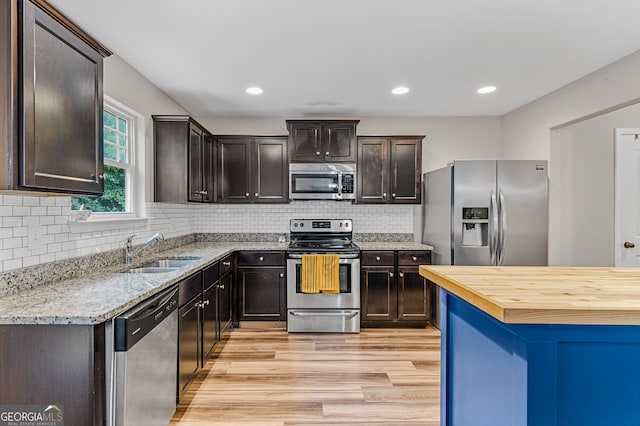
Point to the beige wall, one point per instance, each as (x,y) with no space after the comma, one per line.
(580,154)
(447,138)
(525,131)
(126,85)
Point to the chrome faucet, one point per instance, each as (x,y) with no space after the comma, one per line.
(130,252)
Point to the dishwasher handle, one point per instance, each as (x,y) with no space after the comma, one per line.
(133,325)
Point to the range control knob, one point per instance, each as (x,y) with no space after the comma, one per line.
(295,224)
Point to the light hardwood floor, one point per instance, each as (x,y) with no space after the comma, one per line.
(271,378)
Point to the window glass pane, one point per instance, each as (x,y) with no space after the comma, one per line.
(110,152)
(122,155)
(109,119)
(122,125)
(113,199)
(110,136)
(122,140)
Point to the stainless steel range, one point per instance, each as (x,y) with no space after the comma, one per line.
(323,312)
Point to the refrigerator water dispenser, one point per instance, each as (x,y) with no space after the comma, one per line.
(475,226)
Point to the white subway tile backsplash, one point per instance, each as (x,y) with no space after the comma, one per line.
(35,229)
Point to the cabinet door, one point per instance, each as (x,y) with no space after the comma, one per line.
(406,170)
(188,344)
(225,293)
(210,321)
(271,177)
(170,149)
(195,163)
(339,142)
(62,108)
(305,142)
(378,295)
(209,167)
(262,294)
(234,169)
(413,296)
(373,170)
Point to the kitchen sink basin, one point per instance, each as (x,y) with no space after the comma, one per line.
(166,264)
(169,263)
(151,270)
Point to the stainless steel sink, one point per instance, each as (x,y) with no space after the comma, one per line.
(151,270)
(168,263)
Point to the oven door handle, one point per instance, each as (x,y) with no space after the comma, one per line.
(342,256)
(318,313)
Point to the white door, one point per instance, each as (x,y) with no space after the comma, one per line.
(627,197)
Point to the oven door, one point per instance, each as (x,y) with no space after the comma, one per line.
(348,298)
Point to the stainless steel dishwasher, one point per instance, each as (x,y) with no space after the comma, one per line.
(145,365)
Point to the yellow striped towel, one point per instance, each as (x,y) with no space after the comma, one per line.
(320,273)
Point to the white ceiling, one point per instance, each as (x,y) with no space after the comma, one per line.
(341,58)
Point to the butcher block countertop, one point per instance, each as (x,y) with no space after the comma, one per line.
(545,295)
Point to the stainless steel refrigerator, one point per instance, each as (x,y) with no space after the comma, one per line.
(486,212)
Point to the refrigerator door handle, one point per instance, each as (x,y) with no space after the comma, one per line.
(493,227)
(503,227)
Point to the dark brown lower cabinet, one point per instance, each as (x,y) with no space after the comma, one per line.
(413,295)
(210,319)
(393,294)
(225,300)
(261,286)
(60,365)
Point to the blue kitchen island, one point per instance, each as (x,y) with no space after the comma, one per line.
(539,346)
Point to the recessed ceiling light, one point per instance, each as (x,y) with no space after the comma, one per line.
(254,90)
(400,90)
(486,89)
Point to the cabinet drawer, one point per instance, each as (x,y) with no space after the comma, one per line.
(189,288)
(210,275)
(377,258)
(261,258)
(414,258)
(226,264)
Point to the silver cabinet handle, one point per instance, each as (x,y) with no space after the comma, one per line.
(255,195)
(393,195)
(326,153)
(205,303)
(226,263)
(384,195)
(391,274)
(204,192)
(261,259)
(221,286)
(377,258)
(414,258)
(281,275)
(401,274)
(246,194)
(317,152)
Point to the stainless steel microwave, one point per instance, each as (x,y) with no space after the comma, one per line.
(322,181)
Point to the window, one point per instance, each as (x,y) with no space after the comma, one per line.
(118,143)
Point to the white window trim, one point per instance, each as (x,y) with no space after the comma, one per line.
(135,214)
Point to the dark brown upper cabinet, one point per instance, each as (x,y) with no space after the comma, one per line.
(184,160)
(312,141)
(389,169)
(253,169)
(52,123)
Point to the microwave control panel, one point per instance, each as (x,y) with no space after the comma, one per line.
(347,184)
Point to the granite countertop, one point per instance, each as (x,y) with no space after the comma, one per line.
(95,298)
(98,297)
(385,245)
(544,294)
